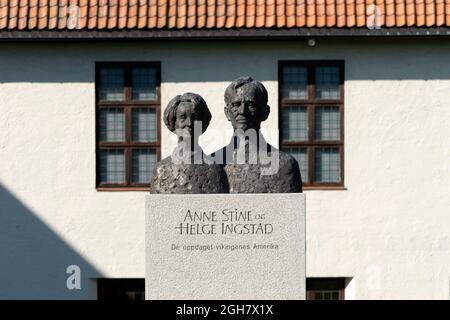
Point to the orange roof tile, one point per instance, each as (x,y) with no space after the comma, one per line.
(201,14)
(341,18)
(142,14)
(219,14)
(410,11)
(360,13)
(447,12)
(290,13)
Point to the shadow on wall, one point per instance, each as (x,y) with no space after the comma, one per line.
(34,259)
(210,61)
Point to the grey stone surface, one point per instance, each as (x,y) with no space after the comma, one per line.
(260,256)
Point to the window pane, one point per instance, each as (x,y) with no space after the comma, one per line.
(295,82)
(112,166)
(112,124)
(144,160)
(295,123)
(327,123)
(326,295)
(112,84)
(144,84)
(327,165)
(135,296)
(301,155)
(327,83)
(144,125)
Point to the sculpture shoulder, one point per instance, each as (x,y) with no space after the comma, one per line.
(161,173)
(164,162)
(170,177)
(287,160)
(289,171)
(163,165)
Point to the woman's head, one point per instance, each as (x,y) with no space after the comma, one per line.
(183,110)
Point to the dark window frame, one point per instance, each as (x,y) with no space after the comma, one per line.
(128,104)
(311,103)
(319,285)
(120,289)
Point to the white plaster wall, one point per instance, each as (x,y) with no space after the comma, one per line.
(389,230)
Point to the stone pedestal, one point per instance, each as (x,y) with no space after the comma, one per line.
(225,246)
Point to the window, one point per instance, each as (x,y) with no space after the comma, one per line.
(325,288)
(128,125)
(312,119)
(120,289)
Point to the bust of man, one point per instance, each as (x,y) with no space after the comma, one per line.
(188,170)
(251,164)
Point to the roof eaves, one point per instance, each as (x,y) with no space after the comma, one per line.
(221,34)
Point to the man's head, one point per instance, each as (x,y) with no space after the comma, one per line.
(182,111)
(246,104)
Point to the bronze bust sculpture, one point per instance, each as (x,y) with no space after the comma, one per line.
(188,169)
(248,164)
(246,107)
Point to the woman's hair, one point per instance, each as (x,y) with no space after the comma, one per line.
(200,108)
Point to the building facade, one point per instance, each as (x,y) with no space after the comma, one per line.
(367,118)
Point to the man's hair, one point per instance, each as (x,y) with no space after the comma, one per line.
(200,107)
(245,81)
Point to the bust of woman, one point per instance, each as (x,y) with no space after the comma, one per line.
(188,169)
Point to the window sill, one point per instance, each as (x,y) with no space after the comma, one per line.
(103,189)
(324,188)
